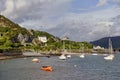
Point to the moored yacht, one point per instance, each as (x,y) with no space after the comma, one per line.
(68,56)
(110,56)
(62,57)
(82,56)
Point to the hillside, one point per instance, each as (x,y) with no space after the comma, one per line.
(7,25)
(104,42)
(13,36)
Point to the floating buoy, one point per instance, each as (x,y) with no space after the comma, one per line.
(35,60)
(75,65)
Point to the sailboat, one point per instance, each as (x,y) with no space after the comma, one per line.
(62,56)
(110,56)
(83,54)
(68,55)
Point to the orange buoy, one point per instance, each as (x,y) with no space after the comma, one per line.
(47,68)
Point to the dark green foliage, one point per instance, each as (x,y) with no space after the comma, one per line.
(8,43)
(16,45)
(2,40)
(4,29)
(41,33)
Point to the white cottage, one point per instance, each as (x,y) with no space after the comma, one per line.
(42,39)
(98,47)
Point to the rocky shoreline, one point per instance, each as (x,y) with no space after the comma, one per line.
(5,57)
(9,57)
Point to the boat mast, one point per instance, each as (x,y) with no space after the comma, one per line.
(69,46)
(110,47)
(64,39)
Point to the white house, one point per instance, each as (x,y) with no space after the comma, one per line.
(42,39)
(97,47)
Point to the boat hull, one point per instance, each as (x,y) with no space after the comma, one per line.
(109,57)
(47,68)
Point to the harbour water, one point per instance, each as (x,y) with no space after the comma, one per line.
(92,67)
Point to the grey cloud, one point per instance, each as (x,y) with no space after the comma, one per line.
(33,9)
(52,16)
(2,7)
(82,27)
(117,1)
(19,9)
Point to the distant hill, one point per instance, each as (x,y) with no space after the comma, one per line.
(104,42)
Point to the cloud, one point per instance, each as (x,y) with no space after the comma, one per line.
(54,16)
(83,27)
(117,1)
(102,2)
(29,9)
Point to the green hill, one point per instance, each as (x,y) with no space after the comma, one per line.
(13,36)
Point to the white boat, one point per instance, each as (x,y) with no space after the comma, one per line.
(68,56)
(110,56)
(94,54)
(35,60)
(82,56)
(62,57)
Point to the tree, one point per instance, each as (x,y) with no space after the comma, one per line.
(2,40)
(8,43)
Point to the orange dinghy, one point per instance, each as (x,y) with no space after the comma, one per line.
(47,68)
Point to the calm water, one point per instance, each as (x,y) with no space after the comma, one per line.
(90,68)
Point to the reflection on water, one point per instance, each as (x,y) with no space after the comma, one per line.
(90,68)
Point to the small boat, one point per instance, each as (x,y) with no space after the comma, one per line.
(47,68)
(94,54)
(62,57)
(68,56)
(35,60)
(82,56)
(109,57)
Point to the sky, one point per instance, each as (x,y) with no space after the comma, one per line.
(80,20)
